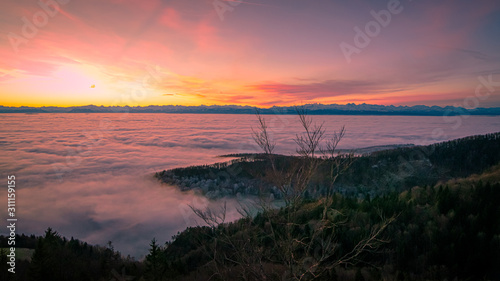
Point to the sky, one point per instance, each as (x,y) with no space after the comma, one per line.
(256,52)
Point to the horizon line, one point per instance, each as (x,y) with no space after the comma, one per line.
(252,106)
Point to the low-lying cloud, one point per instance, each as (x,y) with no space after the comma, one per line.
(96,183)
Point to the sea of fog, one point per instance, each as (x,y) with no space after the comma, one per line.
(90,176)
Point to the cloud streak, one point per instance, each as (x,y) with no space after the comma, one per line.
(328,88)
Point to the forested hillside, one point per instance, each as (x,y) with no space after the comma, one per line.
(375,174)
(447,231)
(58,258)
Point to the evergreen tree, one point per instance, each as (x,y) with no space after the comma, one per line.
(155,262)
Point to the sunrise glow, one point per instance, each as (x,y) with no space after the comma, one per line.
(246,53)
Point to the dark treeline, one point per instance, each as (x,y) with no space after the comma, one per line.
(57,258)
(403,168)
(378,173)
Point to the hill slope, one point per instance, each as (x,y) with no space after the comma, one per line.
(376,174)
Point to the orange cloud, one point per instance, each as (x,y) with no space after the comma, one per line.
(430,48)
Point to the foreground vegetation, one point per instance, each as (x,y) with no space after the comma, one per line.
(58,258)
(440,232)
(447,231)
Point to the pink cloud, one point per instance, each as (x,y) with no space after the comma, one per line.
(171,19)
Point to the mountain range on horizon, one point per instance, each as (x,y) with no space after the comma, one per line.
(314,109)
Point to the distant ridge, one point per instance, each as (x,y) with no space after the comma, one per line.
(81,110)
(314,109)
